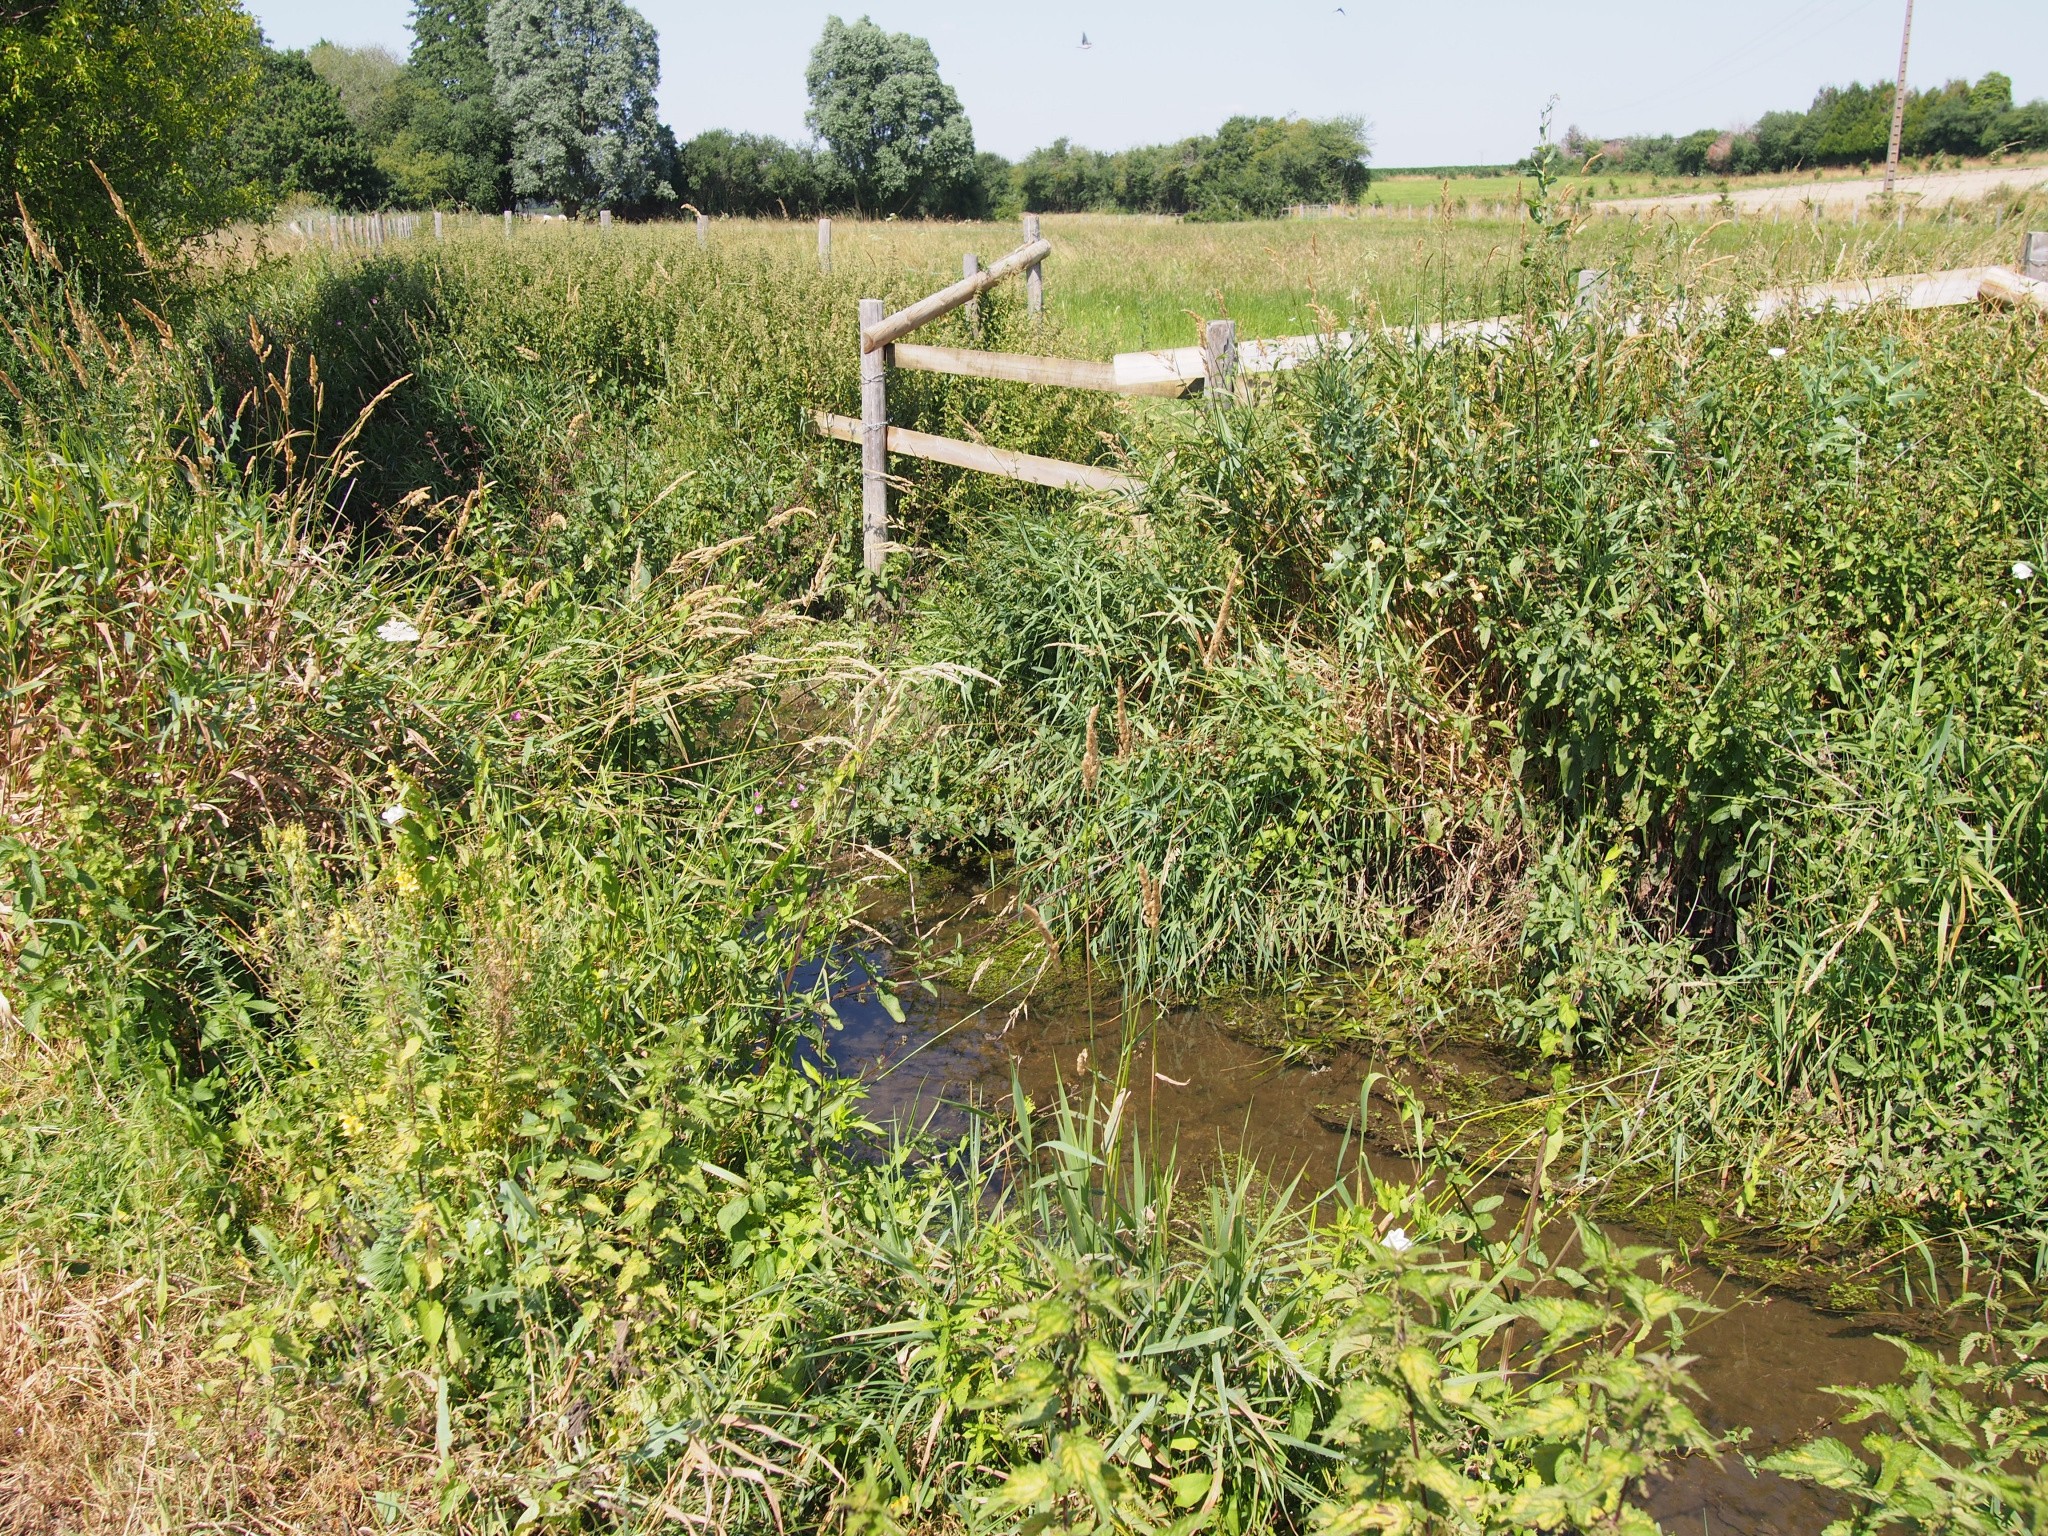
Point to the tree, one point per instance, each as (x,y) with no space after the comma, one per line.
(745,173)
(1258,166)
(897,128)
(366,79)
(295,139)
(452,144)
(575,79)
(140,91)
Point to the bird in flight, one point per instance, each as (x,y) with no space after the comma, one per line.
(1084,41)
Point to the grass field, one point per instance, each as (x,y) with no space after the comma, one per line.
(1119,283)
(444,714)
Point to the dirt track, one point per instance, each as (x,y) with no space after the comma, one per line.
(1923,191)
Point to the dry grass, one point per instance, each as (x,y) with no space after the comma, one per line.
(113,1418)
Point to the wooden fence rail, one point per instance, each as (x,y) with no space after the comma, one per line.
(1137,372)
(946,300)
(1027,368)
(1217,367)
(1007,462)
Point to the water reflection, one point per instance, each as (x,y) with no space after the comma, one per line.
(1202,1093)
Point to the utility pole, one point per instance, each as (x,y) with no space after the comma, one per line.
(1891,159)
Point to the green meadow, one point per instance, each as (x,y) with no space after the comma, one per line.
(454,756)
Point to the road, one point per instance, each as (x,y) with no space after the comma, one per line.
(1921,191)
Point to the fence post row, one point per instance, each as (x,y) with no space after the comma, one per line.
(874,442)
(825,246)
(1034,275)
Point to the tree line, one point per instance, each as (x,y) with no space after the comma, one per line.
(129,125)
(1846,125)
(442,128)
(1252,167)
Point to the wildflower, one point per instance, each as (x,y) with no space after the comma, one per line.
(792,802)
(1777,352)
(1399,1240)
(2021,571)
(393,815)
(1593,442)
(397,632)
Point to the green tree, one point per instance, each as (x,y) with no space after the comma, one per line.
(745,173)
(1253,167)
(576,80)
(897,128)
(1258,166)
(295,139)
(366,79)
(138,91)
(451,145)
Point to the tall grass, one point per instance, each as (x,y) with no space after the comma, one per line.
(1685,684)
(428,762)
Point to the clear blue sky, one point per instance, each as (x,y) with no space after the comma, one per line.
(1440,81)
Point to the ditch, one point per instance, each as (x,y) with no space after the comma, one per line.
(1203,1094)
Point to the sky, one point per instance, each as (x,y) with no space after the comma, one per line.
(1438,82)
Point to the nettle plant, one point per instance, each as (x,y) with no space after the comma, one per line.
(1125,1364)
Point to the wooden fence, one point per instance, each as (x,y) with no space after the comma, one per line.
(1220,364)
(882,347)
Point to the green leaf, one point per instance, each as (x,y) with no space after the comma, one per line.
(1025,1488)
(1825,1461)
(733,1212)
(1558,1417)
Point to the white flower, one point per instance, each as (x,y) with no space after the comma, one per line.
(1777,352)
(397,632)
(2021,571)
(1593,443)
(393,815)
(1398,1240)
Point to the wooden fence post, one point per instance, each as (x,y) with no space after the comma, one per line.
(969,265)
(1219,359)
(874,443)
(2034,255)
(508,223)
(1590,286)
(438,235)
(703,230)
(825,246)
(1034,275)
(604,219)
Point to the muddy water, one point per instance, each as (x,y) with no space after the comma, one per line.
(1203,1092)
